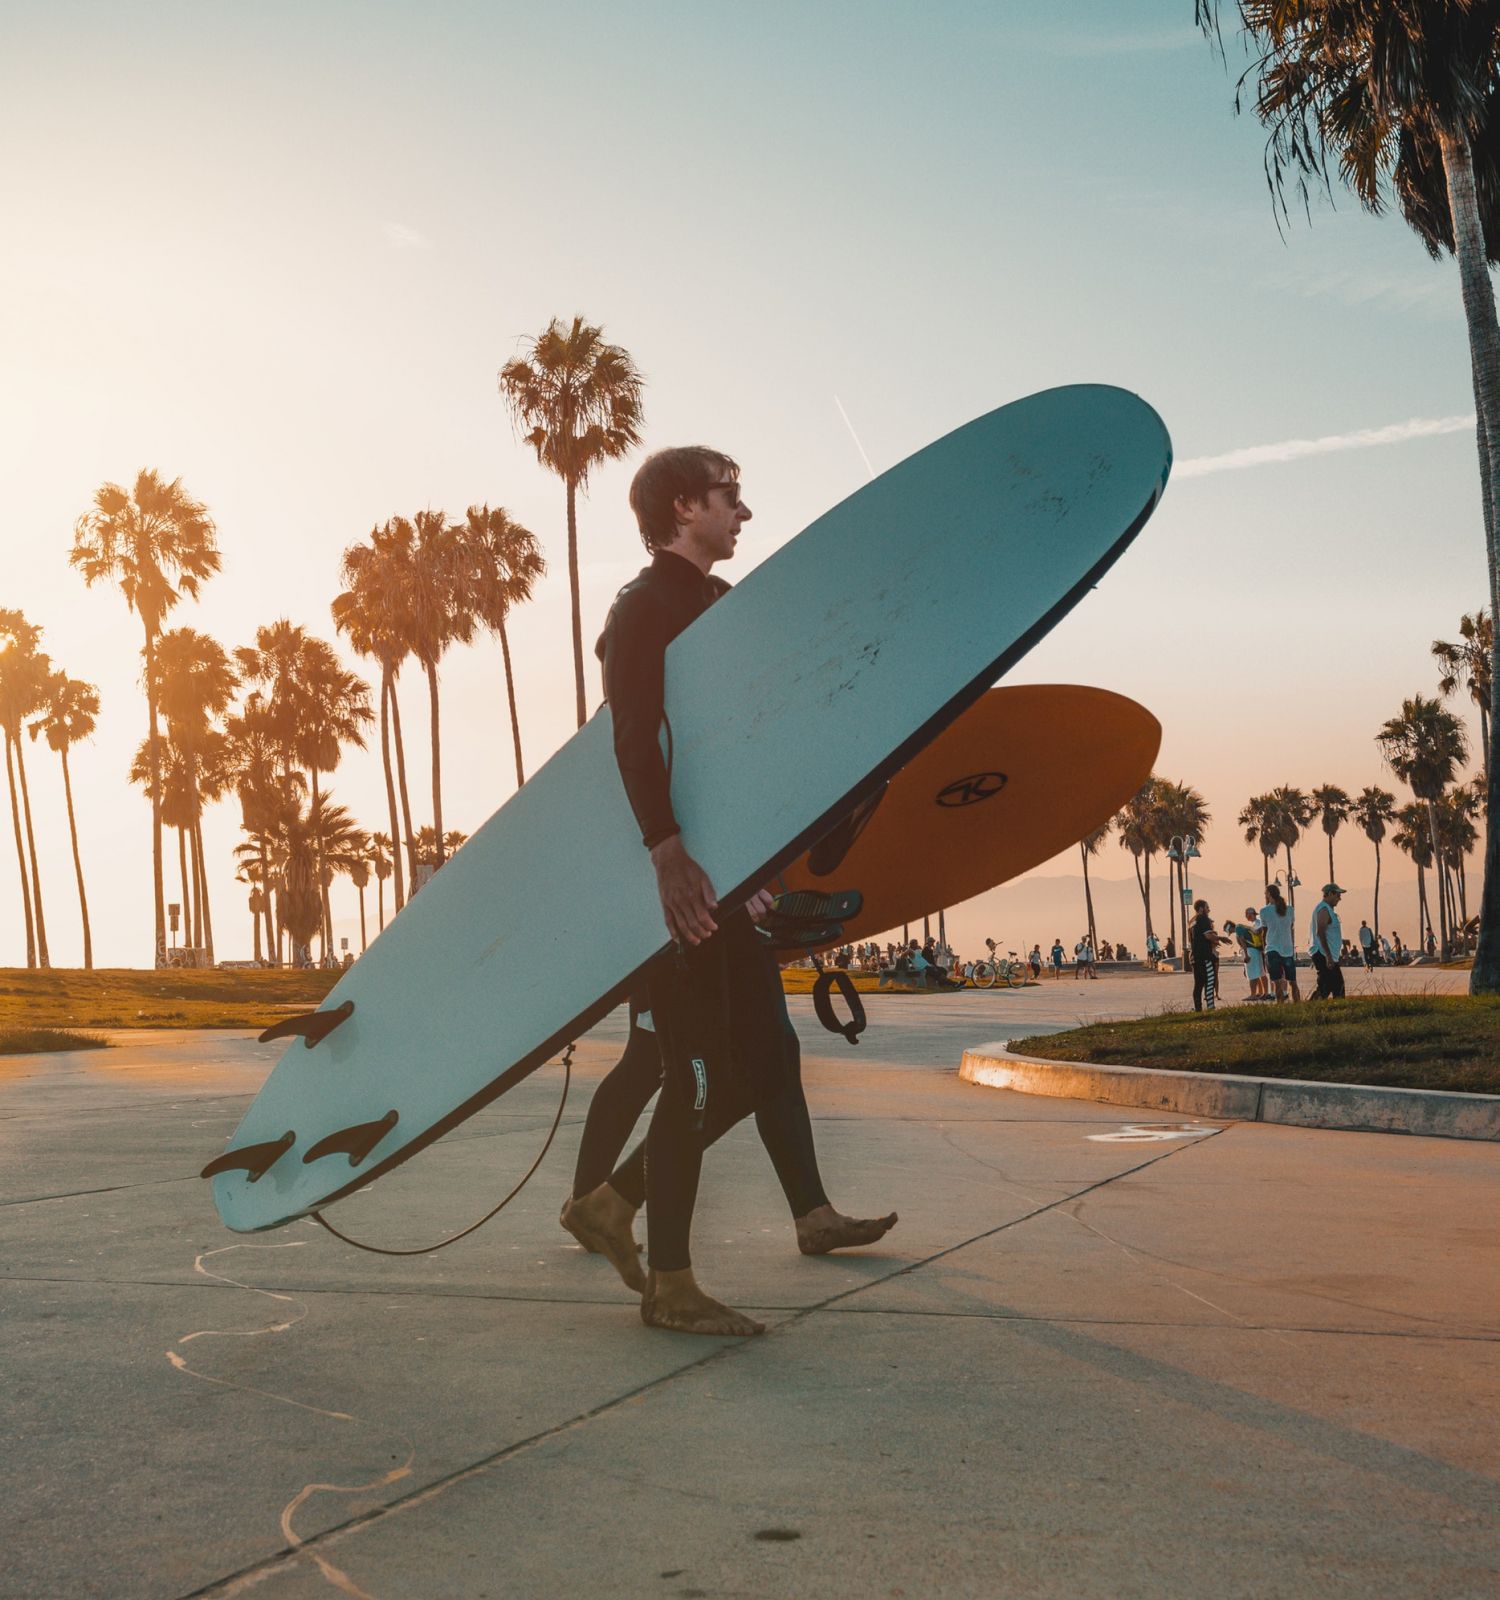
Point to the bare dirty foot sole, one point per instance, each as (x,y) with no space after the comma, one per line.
(601,1224)
(689,1310)
(826,1229)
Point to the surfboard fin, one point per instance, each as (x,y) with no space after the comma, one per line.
(827,854)
(314,1026)
(356,1141)
(835,978)
(254,1159)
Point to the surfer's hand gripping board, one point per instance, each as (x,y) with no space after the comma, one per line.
(817,677)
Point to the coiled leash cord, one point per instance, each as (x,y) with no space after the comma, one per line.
(442,1244)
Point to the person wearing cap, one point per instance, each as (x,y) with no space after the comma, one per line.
(1327,941)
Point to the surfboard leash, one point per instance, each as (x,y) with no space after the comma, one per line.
(442,1244)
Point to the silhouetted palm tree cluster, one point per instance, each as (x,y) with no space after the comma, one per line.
(270,721)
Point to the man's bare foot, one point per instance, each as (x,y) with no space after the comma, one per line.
(601,1221)
(674,1300)
(825,1229)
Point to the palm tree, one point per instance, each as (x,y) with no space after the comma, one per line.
(380,861)
(505,562)
(1425,746)
(1411,836)
(1373,811)
(370,612)
(1088,846)
(24,675)
(316,706)
(1457,809)
(69,716)
(1262,827)
(157,544)
(1182,813)
(1406,94)
(248,871)
(577,402)
(256,769)
(1289,811)
(1333,805)
(1468,663)
(427,846)
(194,685)
(1138,825)
(175,803)
(359,876)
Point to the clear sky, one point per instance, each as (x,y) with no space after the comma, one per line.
(282,250)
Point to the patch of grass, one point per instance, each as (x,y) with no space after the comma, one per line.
(1423,1041)
(36,1041)
(117,997)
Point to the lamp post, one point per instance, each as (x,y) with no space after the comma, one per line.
(1182,848)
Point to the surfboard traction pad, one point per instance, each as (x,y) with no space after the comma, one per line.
(913,497)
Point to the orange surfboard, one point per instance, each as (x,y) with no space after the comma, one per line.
(1022,775)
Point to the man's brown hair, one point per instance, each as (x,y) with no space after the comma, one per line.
(687,472)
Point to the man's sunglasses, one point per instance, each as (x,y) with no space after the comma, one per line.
(731,493)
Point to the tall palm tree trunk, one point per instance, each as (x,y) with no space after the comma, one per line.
(15,817)
(573,593)
(1088,896)
(430,667)
(380,900)
(83,900)
(387,690)
(1377,891)
(1437,868)
(1484,348)
(510,695)
(363,944)
(268,901)
(409,837)
(1424,914)
(158,893)
(1149,924)
(255,931)
(42,958)
(203,900)
(1331,877)
(182,873)
(1174,874)
(325,915)
(196,864)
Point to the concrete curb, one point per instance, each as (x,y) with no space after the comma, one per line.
(1352,1107)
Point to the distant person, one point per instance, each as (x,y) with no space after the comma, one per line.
(1431,943)
(1281,943)
(1325,938)
(1153,950)
(1385,950)
(1034,961)
(1171,948)
(1367,945)
(1203,943)
(1058,957)
(1250,937)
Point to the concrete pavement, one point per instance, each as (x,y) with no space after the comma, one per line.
(1099,1357)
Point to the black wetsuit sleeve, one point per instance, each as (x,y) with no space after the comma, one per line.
(635,648)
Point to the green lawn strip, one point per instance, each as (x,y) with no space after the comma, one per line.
(129,998)
(35,1041)
(1447,1042)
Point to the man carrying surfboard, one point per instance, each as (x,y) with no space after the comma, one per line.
(713,998)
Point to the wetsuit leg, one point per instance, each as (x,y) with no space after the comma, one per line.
(616,1107)
(722,1056)
(783,1122)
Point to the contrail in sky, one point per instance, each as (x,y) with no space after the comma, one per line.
(853,435)
(1260,455)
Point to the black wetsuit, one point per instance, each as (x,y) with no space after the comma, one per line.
(721,1040)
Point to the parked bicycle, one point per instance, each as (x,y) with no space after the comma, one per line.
(1007,969)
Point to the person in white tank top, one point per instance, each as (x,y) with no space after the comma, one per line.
(1326,938)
